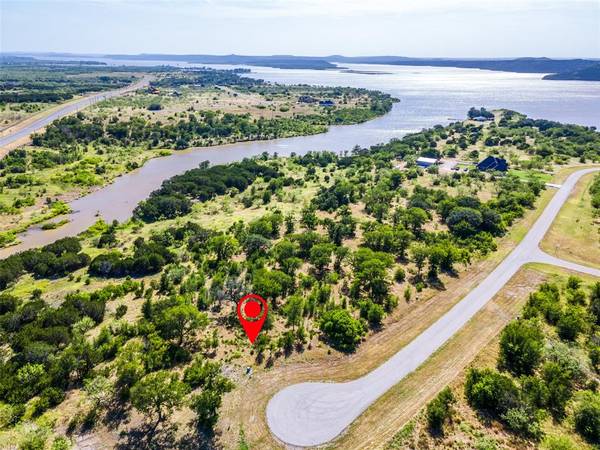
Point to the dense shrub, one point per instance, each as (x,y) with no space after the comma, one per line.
(491,391)
(54,260)
(439,410)
(595,193)
(587,417)
(341,330)
(202,184)
(148,258)
(521,345)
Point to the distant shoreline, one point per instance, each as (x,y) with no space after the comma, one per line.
(365,72)
(553,69)
(556,69)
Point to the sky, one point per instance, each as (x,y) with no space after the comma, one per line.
(418,28)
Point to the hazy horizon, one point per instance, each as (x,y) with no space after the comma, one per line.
(431,28)
(105,54)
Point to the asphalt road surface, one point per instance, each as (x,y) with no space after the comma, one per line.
(67,109)
(309,414)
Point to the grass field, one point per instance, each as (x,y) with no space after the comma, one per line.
(531,175)
(575,234)
(13,113)
(178,103)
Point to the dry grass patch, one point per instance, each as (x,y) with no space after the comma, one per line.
(575,233)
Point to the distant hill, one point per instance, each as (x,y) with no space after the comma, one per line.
(561,69)
(277,61)
(12,59)
(521,65)
(6,59)
(590,73)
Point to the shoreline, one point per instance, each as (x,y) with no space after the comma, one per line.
(21,244)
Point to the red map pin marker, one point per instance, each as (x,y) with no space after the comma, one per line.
(252,311)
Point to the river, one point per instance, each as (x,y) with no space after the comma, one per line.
(428,96)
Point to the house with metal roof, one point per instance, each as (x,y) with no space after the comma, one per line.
(493,163)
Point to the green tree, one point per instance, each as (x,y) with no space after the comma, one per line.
(342,330)
(129,365)
(205,374)
(594,307)
(206,406)
(521,345)
(181,322)
(320,256)
(371,274)
(284,253)
(523,420)
(464,222)
(157,394)
(223,246)
(100,390)
(271,284)
(290,222)
(491,391)
(308,218)
(375,314)
(559,381)
(571,323)
(587,417)
(377,201)
(419,253)
(294,310)
(535,391)
(414,218)
(61,443)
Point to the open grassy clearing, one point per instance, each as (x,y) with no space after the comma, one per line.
(529,174)
(12,114)
(177,103)
(575,234)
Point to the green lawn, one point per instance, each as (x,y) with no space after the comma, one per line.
(531,175)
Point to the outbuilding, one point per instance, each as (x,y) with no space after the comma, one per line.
(426,162)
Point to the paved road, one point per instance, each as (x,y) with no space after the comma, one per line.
(309,414)
(67,109)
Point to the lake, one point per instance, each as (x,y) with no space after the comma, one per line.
(428,96)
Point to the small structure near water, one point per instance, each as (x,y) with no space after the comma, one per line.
(426,162)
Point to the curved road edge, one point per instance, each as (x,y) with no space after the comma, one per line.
(311,414)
